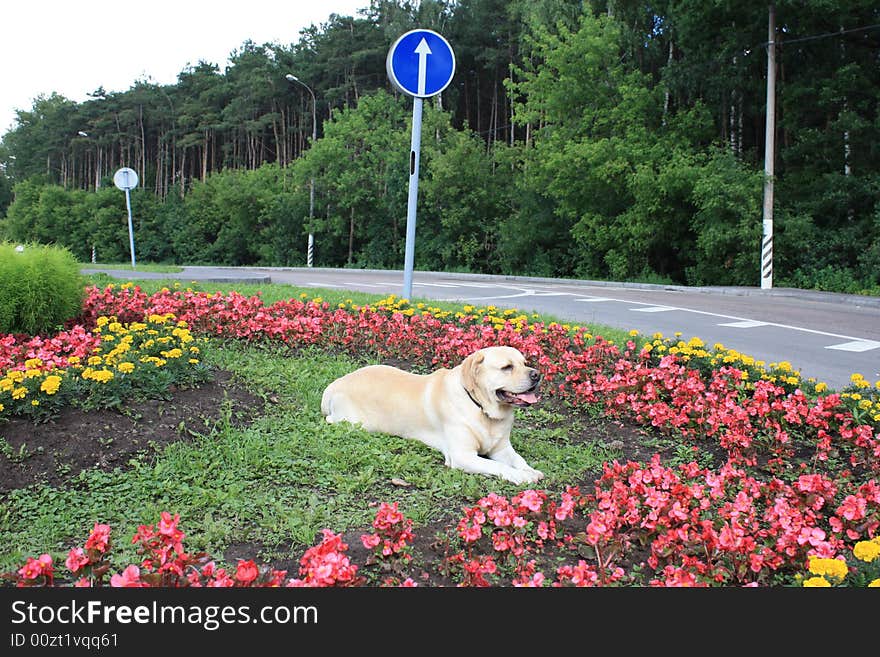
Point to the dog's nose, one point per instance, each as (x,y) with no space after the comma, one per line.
(534,375)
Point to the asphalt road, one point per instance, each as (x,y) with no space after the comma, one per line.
(824,335)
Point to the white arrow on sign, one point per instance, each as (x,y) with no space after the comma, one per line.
(423,50)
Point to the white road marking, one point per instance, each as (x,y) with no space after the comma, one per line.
(856,345)
(653,309)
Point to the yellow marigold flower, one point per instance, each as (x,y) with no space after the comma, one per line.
(834,568)
(867,550)
(633,332)
(102,321)
(35,402)
(873,584)
(821,386)
(32,374)
(193,361)
(193,350)
(19,393)
(856,377)
(95,360)
(15,375)
(816,582)
(1,408)
(172,353)
(51,384)
(125,368)
(33,363)
(102,376)
(73,360)
(6,384)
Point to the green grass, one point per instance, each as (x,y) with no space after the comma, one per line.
(278,481)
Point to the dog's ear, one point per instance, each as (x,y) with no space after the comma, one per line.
(469,368)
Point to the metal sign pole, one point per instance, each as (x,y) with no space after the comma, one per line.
(126,179)
(412,199)
(420,64)
(130,229)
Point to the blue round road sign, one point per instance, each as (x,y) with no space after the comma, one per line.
(420,63)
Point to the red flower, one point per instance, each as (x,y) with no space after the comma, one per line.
(246,572)
(99,539)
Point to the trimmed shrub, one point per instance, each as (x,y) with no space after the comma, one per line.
(40,288)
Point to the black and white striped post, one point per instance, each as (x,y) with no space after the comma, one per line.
(769,154)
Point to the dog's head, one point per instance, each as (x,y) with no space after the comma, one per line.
(497,378)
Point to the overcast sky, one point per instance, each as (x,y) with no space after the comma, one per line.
(73,47)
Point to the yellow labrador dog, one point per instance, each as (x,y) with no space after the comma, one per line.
(465,412)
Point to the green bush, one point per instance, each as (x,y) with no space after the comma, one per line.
(40,288)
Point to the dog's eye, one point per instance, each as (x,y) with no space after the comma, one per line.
(507,367)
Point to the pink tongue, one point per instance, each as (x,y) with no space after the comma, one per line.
(528,397)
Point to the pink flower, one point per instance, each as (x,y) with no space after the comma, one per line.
(76,559)
(536,581)
(533,500)
(370,540)
(34,568)
(129,578)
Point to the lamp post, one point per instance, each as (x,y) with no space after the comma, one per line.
(292,78)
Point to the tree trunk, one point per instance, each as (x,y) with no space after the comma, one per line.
(351,238)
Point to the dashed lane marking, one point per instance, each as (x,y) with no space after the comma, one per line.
(856,345)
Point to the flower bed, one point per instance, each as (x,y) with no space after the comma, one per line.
(798,483)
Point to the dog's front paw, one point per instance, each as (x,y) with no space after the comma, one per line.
(535,474)
(524,476)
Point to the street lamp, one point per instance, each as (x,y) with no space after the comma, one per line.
(292,78)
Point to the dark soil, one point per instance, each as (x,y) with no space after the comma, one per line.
(56,451)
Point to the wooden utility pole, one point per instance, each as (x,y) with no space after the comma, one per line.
(769,154)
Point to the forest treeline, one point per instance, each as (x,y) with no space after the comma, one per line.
(611,139)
